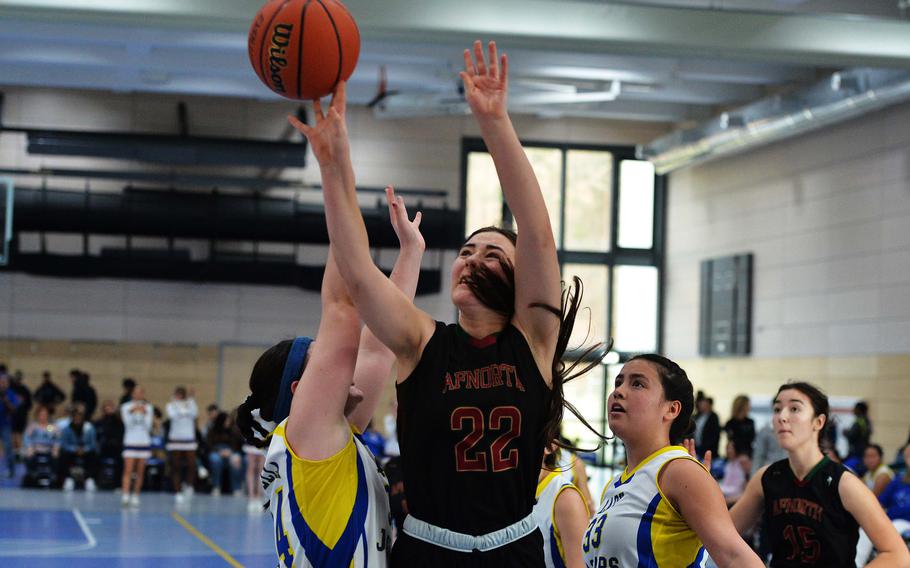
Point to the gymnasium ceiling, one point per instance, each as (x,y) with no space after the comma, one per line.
(676,61)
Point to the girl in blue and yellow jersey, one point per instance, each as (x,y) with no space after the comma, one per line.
(664,509)
(309,401)
(561,514)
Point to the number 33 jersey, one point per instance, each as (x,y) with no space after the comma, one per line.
(327,513)
(636,525)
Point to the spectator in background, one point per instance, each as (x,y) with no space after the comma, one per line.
(9,402)
(109,433)
(858,435)
(740,428)
(707,426)
(83,392)
(20,418)
(878,475)
(41,437)
(48,394)
(373,440)
(128,385)
(255,460)
(78,444)
(899,464)
(224,444)
(766,449)
(390,423)
(181,441)
(211,411)
(736,474)
(896,501)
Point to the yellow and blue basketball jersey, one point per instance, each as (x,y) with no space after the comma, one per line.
(548,490)
(327,513)
(636,525)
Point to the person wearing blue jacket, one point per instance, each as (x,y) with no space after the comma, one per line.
(78,444)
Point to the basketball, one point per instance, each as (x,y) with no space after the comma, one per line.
(302,49)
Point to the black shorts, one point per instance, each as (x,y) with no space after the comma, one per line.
(526,552)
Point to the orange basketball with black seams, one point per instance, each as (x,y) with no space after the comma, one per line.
(302,49)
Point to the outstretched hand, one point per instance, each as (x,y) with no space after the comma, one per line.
(408,232)
(486,84)
(689,444)
(329,137)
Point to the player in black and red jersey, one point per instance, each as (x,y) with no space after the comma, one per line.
(479,399)
(814,506)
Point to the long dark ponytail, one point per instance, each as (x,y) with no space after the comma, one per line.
(265,381)
(582,361)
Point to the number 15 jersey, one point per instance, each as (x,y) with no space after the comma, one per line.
(636,525)
(807,522)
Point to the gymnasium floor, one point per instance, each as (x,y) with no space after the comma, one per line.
(41,528)
(51,528)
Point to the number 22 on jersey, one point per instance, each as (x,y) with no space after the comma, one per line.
(469,419)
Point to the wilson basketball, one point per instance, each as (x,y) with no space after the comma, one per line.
(301,49)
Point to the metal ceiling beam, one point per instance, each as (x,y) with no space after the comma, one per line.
(571,25)
(432,105)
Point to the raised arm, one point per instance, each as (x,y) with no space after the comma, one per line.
(537,278)
(388,312)
(374,362)
(316,427)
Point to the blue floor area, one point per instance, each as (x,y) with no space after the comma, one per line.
(52,528)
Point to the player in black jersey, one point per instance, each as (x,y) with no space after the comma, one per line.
(478,399)
(814,506)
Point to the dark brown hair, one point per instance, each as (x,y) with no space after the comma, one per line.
(677,386)
(817,398)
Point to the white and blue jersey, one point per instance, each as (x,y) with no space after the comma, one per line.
(548,491)
(327,513)
(636,525)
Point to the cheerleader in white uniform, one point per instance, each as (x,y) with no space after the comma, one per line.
(137,443)
(181,441)
(310,399)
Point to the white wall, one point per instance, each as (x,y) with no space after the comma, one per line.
(424,153)
(827,216)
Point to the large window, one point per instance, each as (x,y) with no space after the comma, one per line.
(606,211)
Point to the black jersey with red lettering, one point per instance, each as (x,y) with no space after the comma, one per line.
(470,421)
(808,524)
